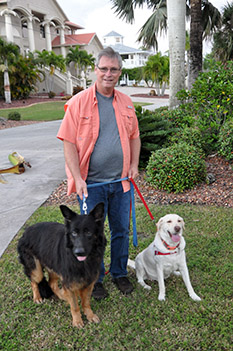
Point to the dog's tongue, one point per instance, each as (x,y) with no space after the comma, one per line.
(81,258)
(175,238)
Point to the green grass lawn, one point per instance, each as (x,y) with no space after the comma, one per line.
(47,111)
(138,321)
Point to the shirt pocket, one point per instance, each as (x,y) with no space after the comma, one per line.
(128,119)
(85,127)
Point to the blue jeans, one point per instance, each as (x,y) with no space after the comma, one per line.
(117,207)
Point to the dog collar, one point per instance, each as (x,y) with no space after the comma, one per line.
(164,254)
(168,246)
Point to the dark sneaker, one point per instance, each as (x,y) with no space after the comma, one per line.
(123,285)
(99,292)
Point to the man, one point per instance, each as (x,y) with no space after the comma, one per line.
(101,144)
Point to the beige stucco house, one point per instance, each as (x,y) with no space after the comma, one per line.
(43,25)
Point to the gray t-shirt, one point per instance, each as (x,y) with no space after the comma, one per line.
(106,161)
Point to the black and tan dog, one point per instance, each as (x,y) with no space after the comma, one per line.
(71,253)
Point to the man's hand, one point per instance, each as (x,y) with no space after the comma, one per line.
(81,188)
(133,172)
(135,145)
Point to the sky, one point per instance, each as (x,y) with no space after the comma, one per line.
(98,16)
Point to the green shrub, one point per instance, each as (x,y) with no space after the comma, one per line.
(211,102)
(154,132)
(191,136)
(181,117)
(226,141)
(176,168)
(51,94)
(24,77)
(14,116)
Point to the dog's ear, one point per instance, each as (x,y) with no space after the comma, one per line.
(67,213)
(183,224)
(98,212)
(158,224)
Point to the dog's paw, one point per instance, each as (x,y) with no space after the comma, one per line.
(78,323)
(91,317)
(144,285)
(177,273)
(147,287)
(94,318)
(38,300)
(195,297)
(161,297)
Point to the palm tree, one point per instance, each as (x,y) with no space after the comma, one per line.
(87,60)
(152,69)
(157,70)
(164,73)
(8,52)
(157,23)
(196,31)
(205,19)
(223,39)
(24,76)
(176,37)
(74,56)
(53,61)
(81,59)
(176,24)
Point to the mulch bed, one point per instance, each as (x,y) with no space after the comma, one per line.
(30,101)
(219,193)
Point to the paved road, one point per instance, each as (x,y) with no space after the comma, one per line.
(24,193)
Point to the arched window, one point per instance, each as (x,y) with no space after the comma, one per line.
(24,26)
(42,31)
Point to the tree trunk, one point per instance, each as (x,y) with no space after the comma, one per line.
(196,31)
(163,89)
(176,36)
(7,88)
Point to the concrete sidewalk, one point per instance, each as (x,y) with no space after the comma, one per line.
(23,193)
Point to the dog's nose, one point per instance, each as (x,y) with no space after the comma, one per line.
(177,229)
(79,252)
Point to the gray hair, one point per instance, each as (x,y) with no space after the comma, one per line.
(109,52)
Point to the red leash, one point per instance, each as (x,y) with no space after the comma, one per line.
(141,197)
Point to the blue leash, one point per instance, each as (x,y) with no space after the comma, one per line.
(135,240)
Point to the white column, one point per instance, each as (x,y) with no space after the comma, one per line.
(8,27)
(8,24)
(62,41)
(31,35)
(48,37)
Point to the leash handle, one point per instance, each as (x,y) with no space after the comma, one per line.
(84,205)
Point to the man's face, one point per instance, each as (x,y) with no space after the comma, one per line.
(107,73)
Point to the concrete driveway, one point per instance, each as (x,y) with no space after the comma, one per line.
(24,193)
(154,101)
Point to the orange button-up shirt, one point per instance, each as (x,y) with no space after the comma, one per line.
(80,126)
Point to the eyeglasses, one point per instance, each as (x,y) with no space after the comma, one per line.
(112,70)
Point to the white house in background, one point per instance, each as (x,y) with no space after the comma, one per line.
(131,57)
(43,25)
